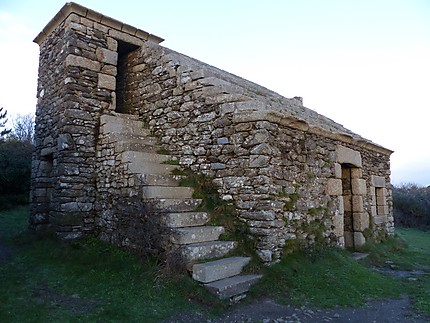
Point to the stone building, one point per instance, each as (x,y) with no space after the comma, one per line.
(111,98)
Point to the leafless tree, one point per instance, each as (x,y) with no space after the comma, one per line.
(3,120)
(23,128)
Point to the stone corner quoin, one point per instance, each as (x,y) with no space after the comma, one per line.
(283,166)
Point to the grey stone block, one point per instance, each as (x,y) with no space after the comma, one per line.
(144,157)
(160,179)
(175,205)
(167,192)
(150,168)
(186,219)
(219,269)
(117,124)
(130,138)
(124,145)
(208,250)
(232,286)
(196,234)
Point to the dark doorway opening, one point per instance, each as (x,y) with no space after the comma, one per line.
(348,218)
(123,76)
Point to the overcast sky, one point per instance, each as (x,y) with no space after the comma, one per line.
(364,64)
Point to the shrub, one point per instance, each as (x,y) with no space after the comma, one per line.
(15,172)
(411,205)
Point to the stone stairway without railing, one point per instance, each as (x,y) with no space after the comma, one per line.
(189,231)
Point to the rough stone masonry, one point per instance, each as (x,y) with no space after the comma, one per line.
(292,174)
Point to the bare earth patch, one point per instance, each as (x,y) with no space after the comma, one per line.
(267,310)
(44,295)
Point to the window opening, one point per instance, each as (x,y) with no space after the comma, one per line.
(379,200)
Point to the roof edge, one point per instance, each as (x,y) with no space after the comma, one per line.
(72,7)
(300,124)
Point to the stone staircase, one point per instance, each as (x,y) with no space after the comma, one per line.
(190,233)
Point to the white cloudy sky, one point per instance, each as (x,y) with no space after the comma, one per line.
(365,64)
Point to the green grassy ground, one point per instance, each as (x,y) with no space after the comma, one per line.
(415,257)
(88,280)
(326,278)
(330,277)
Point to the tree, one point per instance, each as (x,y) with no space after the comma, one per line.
(3,121)
(16,147)
(411,205)
(23,128)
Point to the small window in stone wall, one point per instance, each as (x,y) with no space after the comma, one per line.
(380,201)
(123,77)
(379,198)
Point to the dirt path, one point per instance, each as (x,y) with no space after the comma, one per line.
(267,310)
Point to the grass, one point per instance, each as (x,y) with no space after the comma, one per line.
(88,280)
(328,277)
(171,162)
(325,278)
(412,254)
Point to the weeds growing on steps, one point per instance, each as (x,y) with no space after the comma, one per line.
(222,213)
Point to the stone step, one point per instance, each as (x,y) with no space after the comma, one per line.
(167,192)
(131,138)
(125,116)
(229,287)
(186,219)
(196,234)
(114,124)
(219,269)
(150,168)
(160,179)
(207,250)
(174,205)
(144,157)
(125,145)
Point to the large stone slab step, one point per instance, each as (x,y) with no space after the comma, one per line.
(219,269)
(131,138)
(144,157)
(150,168)
(186,219)
(232,286)
(160,179)
(196,234)
(207,250)
(174,205)
(167,192)
(125,145)
(114,124)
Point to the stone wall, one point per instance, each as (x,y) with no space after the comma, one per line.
(270,155)
(77,80)
(283,165)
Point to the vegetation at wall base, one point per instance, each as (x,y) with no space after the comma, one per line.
(222,213)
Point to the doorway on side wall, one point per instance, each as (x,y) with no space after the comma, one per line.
(348,204)
(123,76)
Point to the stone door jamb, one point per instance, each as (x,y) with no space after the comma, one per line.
(350,158)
